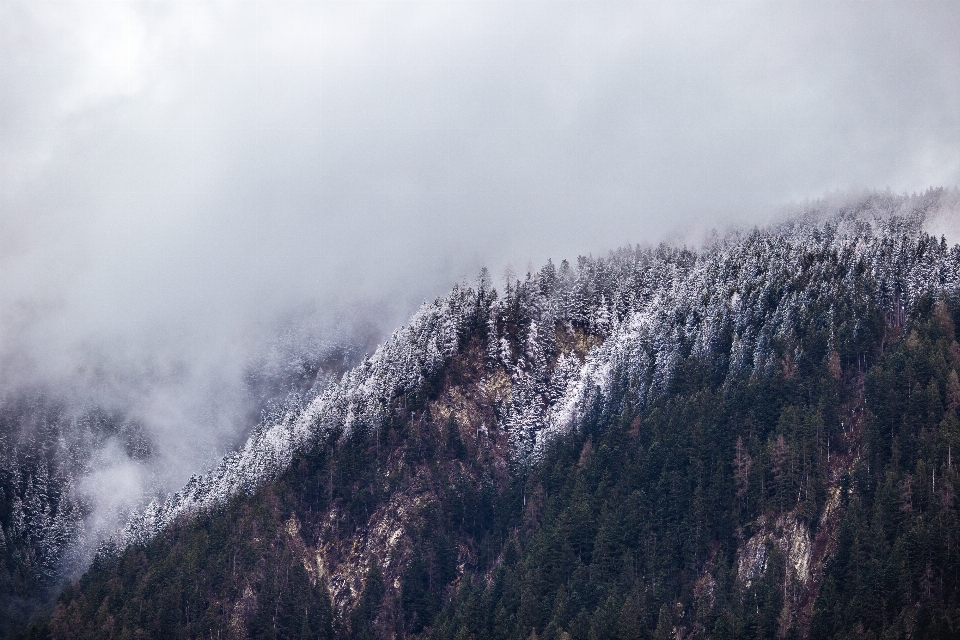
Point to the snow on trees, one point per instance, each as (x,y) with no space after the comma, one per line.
(750,303)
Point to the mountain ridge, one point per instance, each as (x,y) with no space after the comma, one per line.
(431,331)
(461,467)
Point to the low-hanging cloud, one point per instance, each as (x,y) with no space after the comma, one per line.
(179,177)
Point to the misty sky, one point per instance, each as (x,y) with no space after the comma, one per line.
(176,175)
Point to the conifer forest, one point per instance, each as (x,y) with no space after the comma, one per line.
(749,438)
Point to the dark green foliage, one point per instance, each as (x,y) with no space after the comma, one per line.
(432,566)
(896,570)
(363,616)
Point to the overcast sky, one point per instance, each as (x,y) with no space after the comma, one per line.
(177,174)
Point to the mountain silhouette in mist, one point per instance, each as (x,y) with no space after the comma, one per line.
(750,438)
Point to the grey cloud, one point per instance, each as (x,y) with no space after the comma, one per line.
(177,176)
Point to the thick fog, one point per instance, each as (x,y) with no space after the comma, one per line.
(182,178)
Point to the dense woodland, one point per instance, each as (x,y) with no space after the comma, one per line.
(750,439)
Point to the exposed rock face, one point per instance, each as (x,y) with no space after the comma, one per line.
(791,539)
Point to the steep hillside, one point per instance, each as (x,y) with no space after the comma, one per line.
(750,439)
(53,445)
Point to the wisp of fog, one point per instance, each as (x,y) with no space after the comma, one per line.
(187,185)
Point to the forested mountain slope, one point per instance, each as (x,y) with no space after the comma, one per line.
(754,438)
(55,444)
